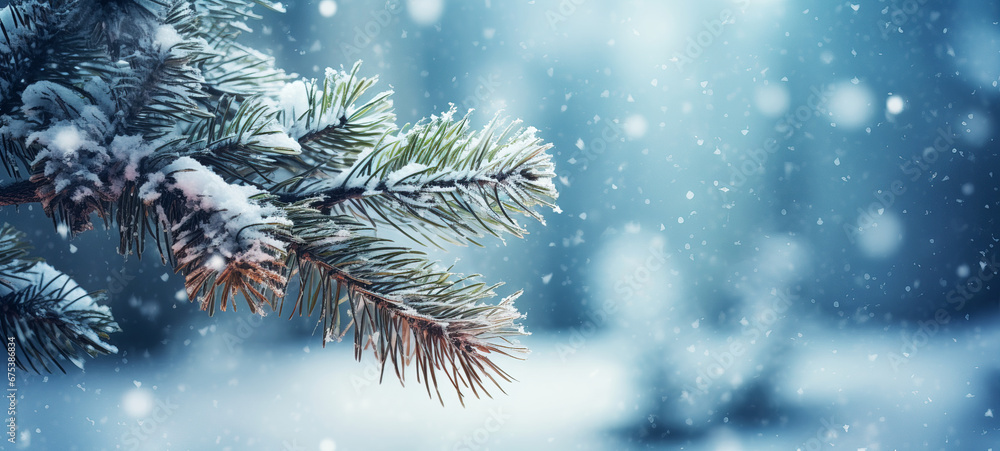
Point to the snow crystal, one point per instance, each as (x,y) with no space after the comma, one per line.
(882,236)
(851,105)
(66,140)
(327,444)
(425,12)
(772,100)
(216,262)
(636,126)
(138,402)
(894,104)
(327,8)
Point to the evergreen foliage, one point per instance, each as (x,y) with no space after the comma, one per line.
(254,185)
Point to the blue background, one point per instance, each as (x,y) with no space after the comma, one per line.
(777,231)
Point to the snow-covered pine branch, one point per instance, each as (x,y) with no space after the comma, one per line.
(256,185)
(402,305)
(446,181)
(48,315)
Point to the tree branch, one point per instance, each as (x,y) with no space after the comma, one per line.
(340,194)
(312,137)
(414,317)
(20,192)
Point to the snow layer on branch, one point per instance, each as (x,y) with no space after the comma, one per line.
(166,37)
(294,99)
(46,97)
(129,151)
(277,140)
(71,156)
(233,218)
(406,174)
(149,191)
(54,284)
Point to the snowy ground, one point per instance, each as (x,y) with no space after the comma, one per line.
(298,397)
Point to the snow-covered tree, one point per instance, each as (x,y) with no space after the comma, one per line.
(251,183)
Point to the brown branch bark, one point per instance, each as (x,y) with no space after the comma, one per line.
(17,193)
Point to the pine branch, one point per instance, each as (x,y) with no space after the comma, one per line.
(49,316)
(42,42)
(243,144)
(332,129)
(402,308)
(14,250)
(445,181)
(226,239)
(166,85)
(19,193)
(153,116)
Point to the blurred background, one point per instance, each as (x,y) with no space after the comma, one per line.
(778,231)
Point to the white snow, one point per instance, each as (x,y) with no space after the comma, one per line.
(635,126)
(294,99)
(327,8)
(276,139)
(67,139)
(42,97)
(882,237)
(894,104)
(772,99)
(234,216)
(131,149)
(240,25)
(148,192)
(70,156)
(406,173)
(425,12)
(851,105)
(138,402)
(166,37)
(59,285)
